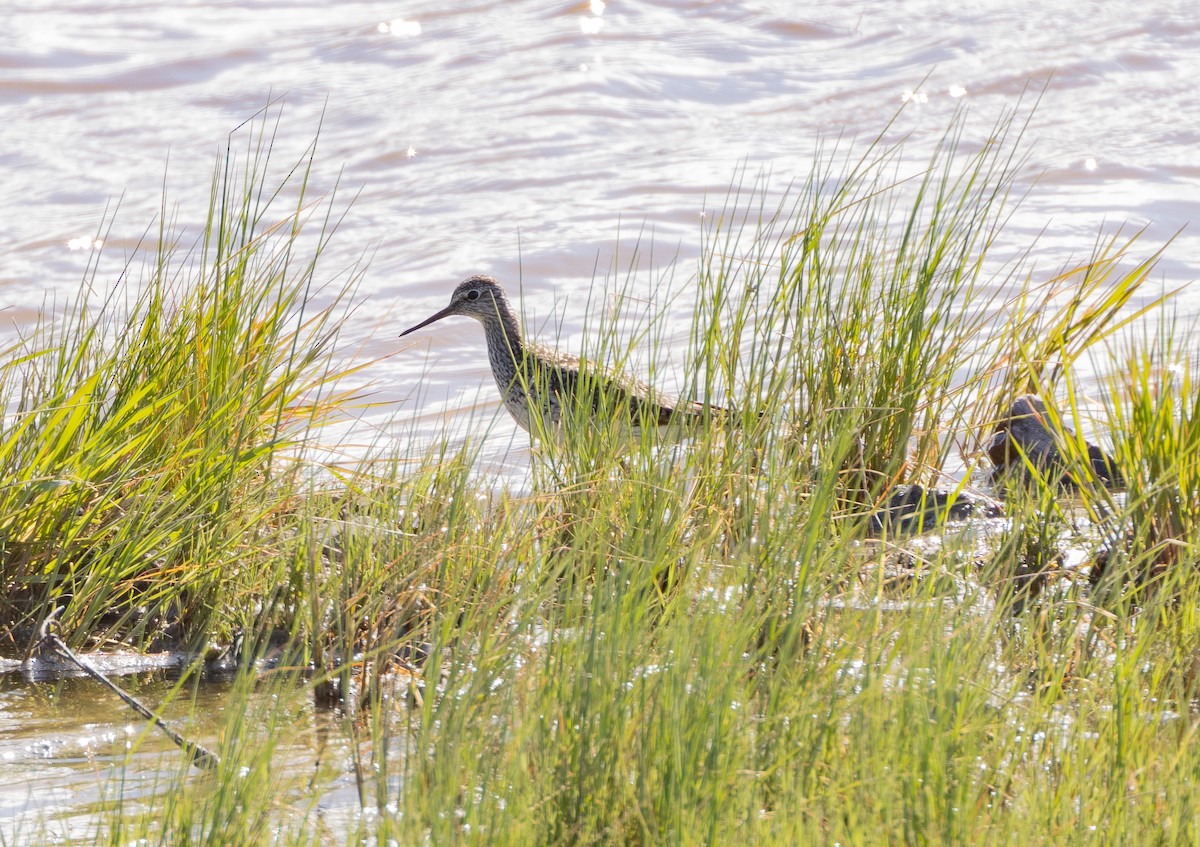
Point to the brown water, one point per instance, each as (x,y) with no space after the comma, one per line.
(535,142)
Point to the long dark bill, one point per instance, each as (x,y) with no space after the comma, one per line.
(449,310)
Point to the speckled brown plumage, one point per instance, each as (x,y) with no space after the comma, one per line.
(534,379)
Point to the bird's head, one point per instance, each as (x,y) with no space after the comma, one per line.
(479,297)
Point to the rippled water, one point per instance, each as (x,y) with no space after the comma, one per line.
(535,141)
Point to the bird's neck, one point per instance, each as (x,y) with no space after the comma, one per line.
(503,331)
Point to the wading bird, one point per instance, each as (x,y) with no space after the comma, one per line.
(539,381)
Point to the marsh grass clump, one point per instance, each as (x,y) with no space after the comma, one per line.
(401,558)
(843,314)
(1029,558)
(673,637)
(1156,423)
(151,429)
(764,690)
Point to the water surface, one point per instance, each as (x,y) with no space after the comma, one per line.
(537,141)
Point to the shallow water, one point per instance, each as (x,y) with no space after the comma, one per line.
(69,745)
(69,750)
(539,143)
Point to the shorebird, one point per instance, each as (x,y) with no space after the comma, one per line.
(540,381)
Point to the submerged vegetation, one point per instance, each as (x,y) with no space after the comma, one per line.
(650,644)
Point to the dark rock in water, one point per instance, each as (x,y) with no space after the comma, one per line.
(915,509)
(1026,430)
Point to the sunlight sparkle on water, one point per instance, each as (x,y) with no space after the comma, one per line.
(591,26)
(85,242)
(956,91)
(401,27)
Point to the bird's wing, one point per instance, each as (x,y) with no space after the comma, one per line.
(610,385)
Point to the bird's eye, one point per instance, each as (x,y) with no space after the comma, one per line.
(473,294)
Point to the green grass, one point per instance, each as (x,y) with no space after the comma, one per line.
(689,645)
(150,439)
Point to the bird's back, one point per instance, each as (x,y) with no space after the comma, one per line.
(552,383)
